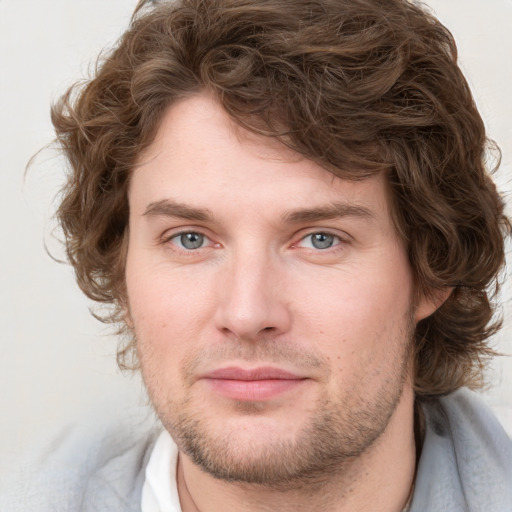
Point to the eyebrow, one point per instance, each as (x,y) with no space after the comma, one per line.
(172,208)
(331,211)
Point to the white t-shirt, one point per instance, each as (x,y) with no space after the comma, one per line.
(160,491)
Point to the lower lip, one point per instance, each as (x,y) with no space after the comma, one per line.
(254,390)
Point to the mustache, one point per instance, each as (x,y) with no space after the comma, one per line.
(266,351)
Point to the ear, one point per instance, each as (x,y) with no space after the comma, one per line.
(430,302)
(127,316)
(128,321)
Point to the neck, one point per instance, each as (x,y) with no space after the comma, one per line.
(379,479)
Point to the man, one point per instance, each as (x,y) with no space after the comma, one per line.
(287,207)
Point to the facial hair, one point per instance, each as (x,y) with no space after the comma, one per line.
(338,430)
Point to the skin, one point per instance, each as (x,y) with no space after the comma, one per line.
(243,255)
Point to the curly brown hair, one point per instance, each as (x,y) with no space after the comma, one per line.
(358,86)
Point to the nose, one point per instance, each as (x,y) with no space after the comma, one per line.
(252,298)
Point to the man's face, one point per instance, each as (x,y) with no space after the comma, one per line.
(271,301)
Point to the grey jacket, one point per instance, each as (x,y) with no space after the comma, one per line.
(465,466)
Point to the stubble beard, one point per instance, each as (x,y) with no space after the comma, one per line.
(337,433)
(326,446)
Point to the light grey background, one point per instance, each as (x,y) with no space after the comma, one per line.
(57,362)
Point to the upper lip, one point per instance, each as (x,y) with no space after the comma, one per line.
(261,373)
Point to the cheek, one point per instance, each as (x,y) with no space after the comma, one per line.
(168,308)
(360,312)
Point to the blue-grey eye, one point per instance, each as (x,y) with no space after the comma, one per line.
(191,240)
(322,240)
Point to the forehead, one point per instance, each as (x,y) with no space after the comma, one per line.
(201,157)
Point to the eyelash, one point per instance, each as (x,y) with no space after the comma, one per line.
(168,239)
(338,243)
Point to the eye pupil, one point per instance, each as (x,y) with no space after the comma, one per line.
(191,240)
(322,240)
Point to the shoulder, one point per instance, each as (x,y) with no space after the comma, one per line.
(88,468)
(466,460)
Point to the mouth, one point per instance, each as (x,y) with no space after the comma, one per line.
(257,384)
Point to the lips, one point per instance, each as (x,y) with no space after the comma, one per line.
(256,384)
